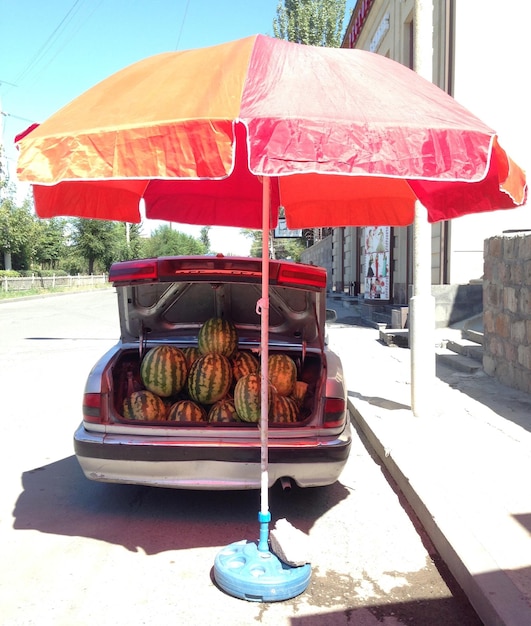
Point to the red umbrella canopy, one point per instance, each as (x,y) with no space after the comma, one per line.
(346,137)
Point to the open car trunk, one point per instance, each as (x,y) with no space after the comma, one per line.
(168,305)
(126,379)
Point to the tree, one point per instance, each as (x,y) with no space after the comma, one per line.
(16,229)
(311,22)
(97,241)
(165,241)
(204,237)
(130,244)
(49,242)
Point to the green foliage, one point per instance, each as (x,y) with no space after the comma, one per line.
(79,246)
(128,242)
(311,22)
(204,237)
(42,273)
(16,231)
(10,274)
(49,242)
(97,241)
(165,241)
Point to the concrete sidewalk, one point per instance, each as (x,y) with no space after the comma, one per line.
(465,469)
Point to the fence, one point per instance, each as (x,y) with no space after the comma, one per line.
(52,282)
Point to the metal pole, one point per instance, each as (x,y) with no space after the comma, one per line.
(422,303)
(264,516)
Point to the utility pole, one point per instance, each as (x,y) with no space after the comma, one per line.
(3,157)
(422,303)
(3,161)
(3,177)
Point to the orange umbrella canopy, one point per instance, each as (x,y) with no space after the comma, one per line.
(345,136)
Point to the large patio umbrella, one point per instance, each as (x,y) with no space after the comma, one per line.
(227,135)
(346,137)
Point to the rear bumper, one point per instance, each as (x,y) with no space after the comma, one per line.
(203,465)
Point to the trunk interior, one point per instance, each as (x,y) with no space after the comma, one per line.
(126,378)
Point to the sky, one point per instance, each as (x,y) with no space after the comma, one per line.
(52,51)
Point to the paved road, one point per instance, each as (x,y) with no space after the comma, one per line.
(84,553)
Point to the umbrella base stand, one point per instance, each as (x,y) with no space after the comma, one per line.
(250,571)
(244,571)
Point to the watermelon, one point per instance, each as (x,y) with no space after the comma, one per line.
(283,410)
(186,411)
(163,370)
(282,373)
(145,406)
(243,363)
(247,398)
(191,354)
(217,335)
(209,379)
(223,411)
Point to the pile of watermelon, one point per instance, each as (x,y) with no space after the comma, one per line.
(213,382)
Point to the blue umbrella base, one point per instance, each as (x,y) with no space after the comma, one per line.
(245,572)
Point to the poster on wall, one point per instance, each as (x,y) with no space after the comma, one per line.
(377,252)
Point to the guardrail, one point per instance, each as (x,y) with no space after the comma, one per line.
(27,283)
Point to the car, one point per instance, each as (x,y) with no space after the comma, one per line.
(165,304)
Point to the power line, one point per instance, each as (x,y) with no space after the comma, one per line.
(182,24)
(16,117)
(50,41)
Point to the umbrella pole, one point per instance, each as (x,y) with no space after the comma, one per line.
(422,305)
(422,318)
(245,569)
(264,516)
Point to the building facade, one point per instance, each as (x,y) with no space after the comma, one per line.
(479,56)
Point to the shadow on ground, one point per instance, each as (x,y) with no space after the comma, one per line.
(58,499)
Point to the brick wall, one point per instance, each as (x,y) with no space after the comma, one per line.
(507,309)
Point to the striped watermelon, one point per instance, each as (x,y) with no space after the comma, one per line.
(217,335)
(209,378)
(144,406)
(163,370)
(247,398)
(223,411)
(191,354)
(243,363)
(283,410)
(187,411)
(282,373)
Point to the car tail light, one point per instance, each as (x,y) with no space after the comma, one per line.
(334,412)
(301,275)
(211,268)
(134,271)
(93,408)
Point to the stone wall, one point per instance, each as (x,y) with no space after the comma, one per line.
(507,309)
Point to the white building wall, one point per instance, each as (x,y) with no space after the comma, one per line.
(492,68)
